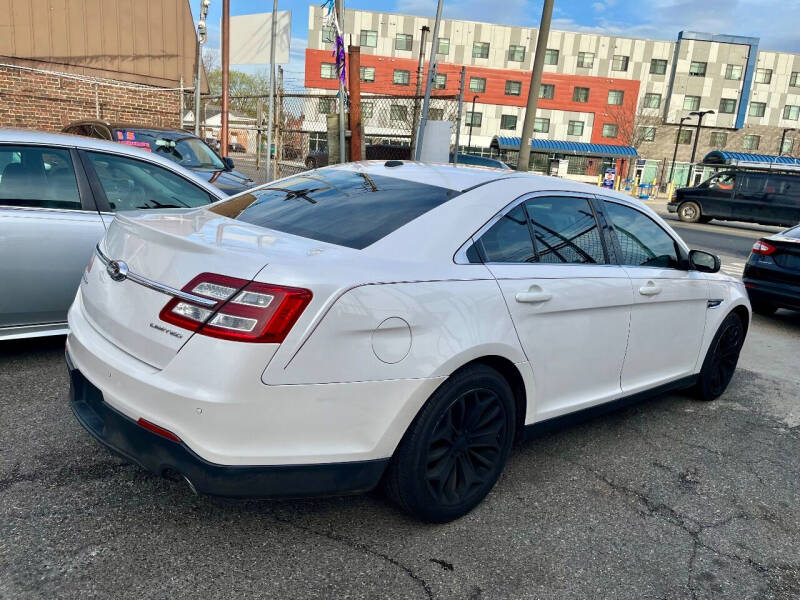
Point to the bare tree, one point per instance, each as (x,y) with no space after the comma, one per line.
(633,131)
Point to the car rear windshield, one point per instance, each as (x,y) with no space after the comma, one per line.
(187,151)
(338,206)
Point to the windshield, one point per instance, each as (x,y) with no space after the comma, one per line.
(338,206)
(189,151)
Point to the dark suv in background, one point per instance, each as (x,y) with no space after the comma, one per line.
(769,197)
(180,146)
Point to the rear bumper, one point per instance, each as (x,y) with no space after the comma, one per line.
(160,455)
(672,207)
(782,295)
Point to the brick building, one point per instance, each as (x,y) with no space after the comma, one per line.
(119,60)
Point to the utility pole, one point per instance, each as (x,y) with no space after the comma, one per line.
(533,92)
(271,108)
(471,124)
(460,109)
(202,35)
(354,53)
(420,75)
(675,152)
(699,114)
(339,6)
(225,58)
(431,77)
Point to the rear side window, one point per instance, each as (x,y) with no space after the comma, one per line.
(338,206)
(752,183)
(131,184)
(783,187)
(33,176)
(565,230)
(508,240)
(642,241)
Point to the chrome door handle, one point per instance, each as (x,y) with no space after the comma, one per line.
(533,295)
(649,289)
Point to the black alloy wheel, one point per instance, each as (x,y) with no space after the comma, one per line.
(722,357)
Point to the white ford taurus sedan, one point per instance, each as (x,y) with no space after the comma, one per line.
(399,323)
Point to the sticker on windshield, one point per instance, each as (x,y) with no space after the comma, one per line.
(130,135)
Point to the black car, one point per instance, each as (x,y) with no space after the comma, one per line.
(772,272)
(180,146)
(770,197)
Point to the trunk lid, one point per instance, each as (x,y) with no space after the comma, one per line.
(170,248)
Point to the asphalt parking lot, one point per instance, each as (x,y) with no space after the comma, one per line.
(667,499)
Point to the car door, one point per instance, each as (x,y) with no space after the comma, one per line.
(48,229)
(715,197)
(749,197)
(668,315)
(570,306)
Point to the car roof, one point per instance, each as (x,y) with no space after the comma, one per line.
(67,140)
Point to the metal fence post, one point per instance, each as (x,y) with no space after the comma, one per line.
(259,124)
(460,110)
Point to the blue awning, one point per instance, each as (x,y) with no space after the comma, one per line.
(500,142)
(721,157)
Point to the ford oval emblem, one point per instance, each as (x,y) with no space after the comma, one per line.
(117,270)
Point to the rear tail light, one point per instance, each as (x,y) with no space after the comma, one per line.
(245,311)
(165,433)
(762,247)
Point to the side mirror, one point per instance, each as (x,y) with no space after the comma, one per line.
(705,262)
(228,163)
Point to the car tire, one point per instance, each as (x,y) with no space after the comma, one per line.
(689,212)
(762,308)
(455,449)
(310,163)
(721,358)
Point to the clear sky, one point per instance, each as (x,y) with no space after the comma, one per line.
(776,22)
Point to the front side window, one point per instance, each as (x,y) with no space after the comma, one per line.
(131,184)
(575,128)
(791,113)
(642,241)
(547,91)
(763,75)
(477,84)
(722,181)
(367,74)
(565,230)
(619,63)
(327,71)
(516,53)
(697,68)
(508,240)
(480,50)
(368,38)
(757,109)
(615,97)
(508,121)
(733,72)
(440,81)
(691,102)
(685,136)
(652,100)
(474,119)
(551,56)
(337,206)
(37,177)
(586,60)
(513,88)
(751,142)
(541,125)
(610,130)
(401,77)
(443,46)
(727,106)
(719,139)
(580,94)
(403,41)
(658,66)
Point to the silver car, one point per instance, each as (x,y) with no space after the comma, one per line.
(58,193)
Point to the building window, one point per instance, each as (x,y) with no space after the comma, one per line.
(328,35)
(697,68)
(480,50)
(516,53)
(685,136)
(547,91)
(440,81)
(541,125)
(691,102)
(398,112)
(585,60)
(508,121)
(763,75)
(368,38)
(786,147)
(615,97)
(733,72)
(367,73)
(580,94)
(794,80)
(477,84)
(727,106)
(652,100)
(791,113)
(367,110)
(473,119)
(575,128)
(444,46)
(551,56)
(757,109)
(327,71)
(513,88)
(648,134)
(403,41)
(619,63)
(751,142)
(436,114)
(327,106)
(610,130)
(719,139)
(658,66)
(401,77)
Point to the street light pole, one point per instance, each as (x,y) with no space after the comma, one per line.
(675,152)
(471,124)
(699,114)
(201,39)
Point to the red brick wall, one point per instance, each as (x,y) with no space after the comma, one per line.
(43,101)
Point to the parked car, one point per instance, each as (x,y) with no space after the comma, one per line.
(319,158)
(480,161)
(236,147)
(178,145)
(213,143)
(395,322)
(58,193)
(767,197)
(772,272)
